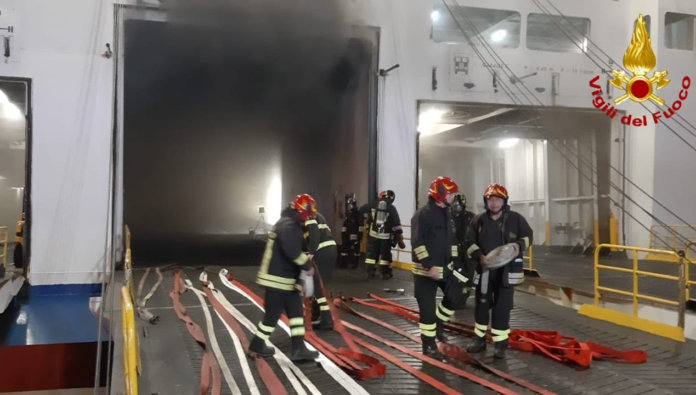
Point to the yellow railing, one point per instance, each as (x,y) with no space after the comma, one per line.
(530,258)
(689,261)
(397,262)
(131,346)
(671,237)
(661,329)
(3,246)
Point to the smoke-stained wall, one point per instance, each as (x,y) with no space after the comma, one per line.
(231,108)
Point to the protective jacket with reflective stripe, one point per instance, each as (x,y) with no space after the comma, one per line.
(318,234)
(515,229)
(391,226)
(433,239)
(364,216)
(283,258)
(351,227)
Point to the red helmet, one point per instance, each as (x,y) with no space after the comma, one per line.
(495,190)
(388,194)
(441,187)
(305,205)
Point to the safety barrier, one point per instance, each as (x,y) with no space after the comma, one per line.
(529,270)
(3,248)
(397,262)
(131,346)
(633,321)
(665,237)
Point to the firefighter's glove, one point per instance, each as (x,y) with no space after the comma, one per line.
(400,241)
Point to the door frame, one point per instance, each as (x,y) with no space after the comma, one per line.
(26,204)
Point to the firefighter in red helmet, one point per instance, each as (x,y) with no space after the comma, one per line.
(385,228)
(280,270)
(436,263)
(323,251)
(496,227)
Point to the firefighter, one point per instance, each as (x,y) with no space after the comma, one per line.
(436,263)
(461,219)
(280,269)
(494,288)
(364,217)
(385,225)
(323,251)
(350,236)
(19,246)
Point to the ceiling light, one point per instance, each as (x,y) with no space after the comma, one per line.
(507,143)
(2,178)
(11,111)
(499,35)
(435,15)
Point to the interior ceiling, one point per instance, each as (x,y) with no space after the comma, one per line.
(465,124)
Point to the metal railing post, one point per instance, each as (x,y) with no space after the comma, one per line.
(682,289)
(635,283)
(596,275)
(687,269)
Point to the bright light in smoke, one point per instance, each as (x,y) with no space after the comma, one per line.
(507,143)
(11,111)
(499,35)
(274,203)
(428,119)
(435,15)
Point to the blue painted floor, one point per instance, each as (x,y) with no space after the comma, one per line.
(49,319)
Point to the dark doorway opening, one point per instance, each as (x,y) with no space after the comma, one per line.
(214,148)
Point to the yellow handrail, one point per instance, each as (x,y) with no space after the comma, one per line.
(130,344)
(131,347)
(530,258)
(3,246)
(595,311)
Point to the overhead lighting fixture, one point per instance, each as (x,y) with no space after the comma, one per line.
(2,178)
(499,35)
(507,143)
(435,15)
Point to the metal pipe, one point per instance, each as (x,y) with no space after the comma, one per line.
(682,290)
(635,284)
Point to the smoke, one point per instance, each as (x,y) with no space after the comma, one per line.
(225,102)
(295,55)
